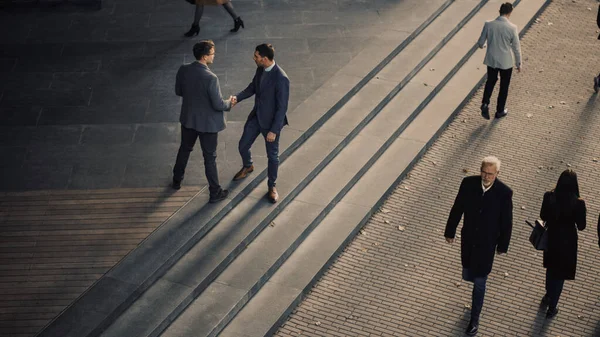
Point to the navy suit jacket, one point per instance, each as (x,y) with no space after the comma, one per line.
(270,98)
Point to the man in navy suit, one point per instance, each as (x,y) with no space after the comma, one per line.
(271,89)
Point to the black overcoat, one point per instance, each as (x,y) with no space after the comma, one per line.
(487,225)
(561,255)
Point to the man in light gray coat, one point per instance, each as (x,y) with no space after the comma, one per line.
(503,41)
(201,116)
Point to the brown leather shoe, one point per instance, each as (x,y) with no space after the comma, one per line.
(243,173)
(273,195)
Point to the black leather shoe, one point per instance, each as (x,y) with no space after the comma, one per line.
(193,31)
(485,111)
(472,329)
(237,23)
(551,312)
(219,196)
(176,184)
(501,114)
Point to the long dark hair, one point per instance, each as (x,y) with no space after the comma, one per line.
(567,191)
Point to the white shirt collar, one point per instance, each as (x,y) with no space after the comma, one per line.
(484,188)
(269,68)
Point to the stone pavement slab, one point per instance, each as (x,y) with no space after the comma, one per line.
(408,283)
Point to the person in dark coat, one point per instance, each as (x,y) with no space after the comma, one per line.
(486,203)
(564,213)
(202,116)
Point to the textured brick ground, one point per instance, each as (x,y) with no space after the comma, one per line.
(408,283)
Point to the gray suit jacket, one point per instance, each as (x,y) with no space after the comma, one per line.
(203,104)
(501,36)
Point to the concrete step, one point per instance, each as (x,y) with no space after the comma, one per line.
(209,312)
(193,273)
(269,307)
(115,292)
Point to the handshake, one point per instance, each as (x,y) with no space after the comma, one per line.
(233,100)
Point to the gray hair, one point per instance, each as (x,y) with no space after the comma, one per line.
(491,160)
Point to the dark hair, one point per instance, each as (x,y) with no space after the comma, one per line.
(567,190)
(203,48)
(506,8)
(266,50)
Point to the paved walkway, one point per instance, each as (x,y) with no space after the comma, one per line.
(407,282)
(87,99)
(87,103)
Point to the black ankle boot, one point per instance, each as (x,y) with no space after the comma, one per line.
(193,31)
(237,24)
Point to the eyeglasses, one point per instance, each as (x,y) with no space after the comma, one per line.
(488,173)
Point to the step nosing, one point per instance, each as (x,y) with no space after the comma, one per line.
(294,303)
(373,159)
(261,176)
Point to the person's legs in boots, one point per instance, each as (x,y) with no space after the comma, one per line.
(188,139)
(251,131)
(208,142)
(196,25)
(554,289)
(237,21)
(505,75)
(273,166)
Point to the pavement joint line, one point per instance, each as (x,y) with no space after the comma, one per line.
(358,175)
(244,192)
(298,189)
(397,182)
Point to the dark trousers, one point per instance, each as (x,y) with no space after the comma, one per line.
(554,288)
(492,78)
(208,143)
(479,283)
(251,130)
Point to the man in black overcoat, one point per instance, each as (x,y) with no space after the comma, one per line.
(486,203)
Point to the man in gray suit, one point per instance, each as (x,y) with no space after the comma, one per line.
(502,36)
(201,116)
(271,90)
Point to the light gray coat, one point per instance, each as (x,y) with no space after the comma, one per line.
(502,36)
(203,105)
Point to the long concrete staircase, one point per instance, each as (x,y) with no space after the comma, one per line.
(238,268)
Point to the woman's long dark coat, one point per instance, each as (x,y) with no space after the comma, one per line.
(561,255)
(487,226)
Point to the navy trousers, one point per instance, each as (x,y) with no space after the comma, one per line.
(251,130)
(479,283)
(208,143)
